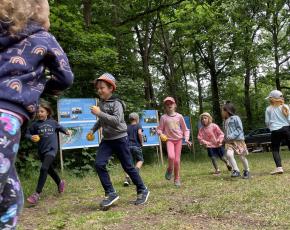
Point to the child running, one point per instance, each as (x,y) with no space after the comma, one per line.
(211,136)
(44,131)
(172,129)
(277,119)
(234,140)
(110,113)
(135,136)
(26,49)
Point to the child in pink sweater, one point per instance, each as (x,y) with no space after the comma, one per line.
(172,129)
(211,136)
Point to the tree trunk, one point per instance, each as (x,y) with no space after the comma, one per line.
(87,12)
(168,59)
(214,86)
(247,99)
(187,106)
(145,43)
(199,87)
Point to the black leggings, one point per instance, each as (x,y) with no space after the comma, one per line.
(276,138)
(46,168)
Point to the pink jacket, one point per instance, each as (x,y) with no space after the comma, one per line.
(173,127)
(211,136)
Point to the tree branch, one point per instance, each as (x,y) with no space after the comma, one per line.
(148,11)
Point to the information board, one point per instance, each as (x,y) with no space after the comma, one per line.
(149,123)
(75,115)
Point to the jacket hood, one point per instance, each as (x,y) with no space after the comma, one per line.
(7,40)
(115,98)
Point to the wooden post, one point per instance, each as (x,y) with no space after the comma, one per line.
(160,144)
(191,132)
(59,140)
(157,153)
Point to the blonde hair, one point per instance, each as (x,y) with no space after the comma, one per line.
(278,102)
(206,115)
(15,14)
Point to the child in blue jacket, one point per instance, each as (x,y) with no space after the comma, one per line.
(26,50)
(235,140)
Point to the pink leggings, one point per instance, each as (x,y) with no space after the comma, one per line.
(174,152)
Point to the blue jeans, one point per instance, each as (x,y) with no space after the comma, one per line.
(121,148)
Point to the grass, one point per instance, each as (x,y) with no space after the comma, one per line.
(203,202)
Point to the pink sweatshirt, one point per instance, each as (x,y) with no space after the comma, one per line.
(211,136)
(173,127)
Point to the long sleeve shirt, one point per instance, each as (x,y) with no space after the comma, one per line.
(111,119)
(23,59)
(174,127)
(275,119)
(211,136)
(47,131)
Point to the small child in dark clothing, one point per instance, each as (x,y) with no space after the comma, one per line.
(44,132)
(115,139)
(135,136)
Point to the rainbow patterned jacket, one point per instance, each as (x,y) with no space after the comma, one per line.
(23,60)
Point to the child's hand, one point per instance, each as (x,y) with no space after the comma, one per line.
(189,144)
(35,138)
(68,132)
(90,136)
(95,109)
(163,137)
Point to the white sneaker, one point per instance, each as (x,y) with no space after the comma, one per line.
(278,170)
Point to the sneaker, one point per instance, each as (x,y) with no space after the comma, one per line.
(168,175)
(217,173)
(33,199)
(246,174)
(229,167)
(177,183)
(142,197)
(109,199)
(127,182)
(235,173)
(61,186)
(278,170)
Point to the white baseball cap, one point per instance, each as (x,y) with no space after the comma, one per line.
(275,94)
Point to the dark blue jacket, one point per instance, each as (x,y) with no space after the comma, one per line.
(23,59)
(47,131)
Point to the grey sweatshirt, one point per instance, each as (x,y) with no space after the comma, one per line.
(111,119)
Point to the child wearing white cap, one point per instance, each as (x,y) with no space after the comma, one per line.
(277,119)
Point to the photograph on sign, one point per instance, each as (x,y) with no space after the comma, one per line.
(76,109)
(78,137)
(150,136)
(149,118)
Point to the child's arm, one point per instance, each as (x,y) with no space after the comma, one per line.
(184,128)
(59,128)
(140,135)
(238,129)
(58,65)
(95,127)
(200,138)
(219,134)
(161,127)
(112,120)
(31,134)
(267,118)
(185,131)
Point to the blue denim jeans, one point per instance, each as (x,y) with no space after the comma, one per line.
(121,148)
